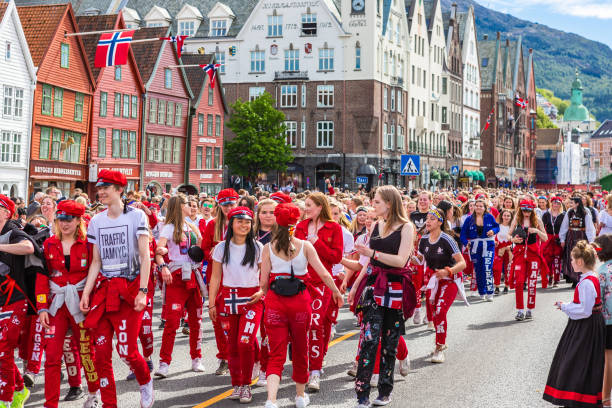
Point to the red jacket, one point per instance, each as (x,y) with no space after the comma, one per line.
(80,259)
(329,246)
(208,244)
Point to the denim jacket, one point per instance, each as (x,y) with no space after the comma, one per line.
(469,230)
(605,282)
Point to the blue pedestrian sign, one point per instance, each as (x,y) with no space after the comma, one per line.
(410,165)
(362,179)
(454,170)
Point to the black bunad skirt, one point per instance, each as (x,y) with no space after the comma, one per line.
(571,240)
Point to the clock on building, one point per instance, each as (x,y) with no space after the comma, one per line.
(358,6)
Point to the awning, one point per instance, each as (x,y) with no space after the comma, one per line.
(444,175)
(367,170)
(434,175)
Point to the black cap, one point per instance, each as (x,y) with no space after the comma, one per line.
(445,205)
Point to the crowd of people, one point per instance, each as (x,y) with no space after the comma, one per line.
(78,277)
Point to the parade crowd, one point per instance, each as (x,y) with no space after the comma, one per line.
(78,277)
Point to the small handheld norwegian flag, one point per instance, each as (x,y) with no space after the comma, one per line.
(179,40)
(522,103)
(488,121)
(113,49)
(211,70)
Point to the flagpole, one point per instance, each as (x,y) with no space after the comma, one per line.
(483,128)
(183,66)
(100,32)
(145,40)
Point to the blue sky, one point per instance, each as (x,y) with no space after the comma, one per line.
(589,18)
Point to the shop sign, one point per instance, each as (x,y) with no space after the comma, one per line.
(46,169)
(159,174)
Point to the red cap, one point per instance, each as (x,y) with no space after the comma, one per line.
(8,204)
(280,197)
(109,177)
(149,204)
(68,209)
(462,199)
(481,196)
(287,214)
(555,198)
(227,196)
(527,205)
(241,212)
(604,192)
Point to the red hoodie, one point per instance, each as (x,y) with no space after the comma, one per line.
(328,246)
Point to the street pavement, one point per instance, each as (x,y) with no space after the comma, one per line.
(492,361)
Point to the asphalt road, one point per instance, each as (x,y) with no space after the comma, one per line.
(492,361)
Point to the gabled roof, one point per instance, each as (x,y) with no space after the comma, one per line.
(198,79)
(8,10)
(516,52)
(462,17)
(604,130)
(549,139)
(147,53)
(39,26)
(488,49)
(3,7)
(95,23)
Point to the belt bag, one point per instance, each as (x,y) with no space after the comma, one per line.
(287,286)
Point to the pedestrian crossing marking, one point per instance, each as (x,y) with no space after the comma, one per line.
(410,167)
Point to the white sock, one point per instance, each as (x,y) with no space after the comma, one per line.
(315,372)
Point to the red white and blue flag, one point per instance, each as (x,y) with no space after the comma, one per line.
(392,297)
(113,49)
(211,70)
(179,40)
(522,103)
(488,120)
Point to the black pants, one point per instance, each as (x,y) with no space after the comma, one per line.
(379,324)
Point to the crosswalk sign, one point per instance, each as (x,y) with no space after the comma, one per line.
(410,165)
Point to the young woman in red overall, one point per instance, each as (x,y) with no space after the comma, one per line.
(503,250)
(182,292)
(326,237)
(236,261)
(288,313)
(418,271)
(213,234)
(527,233)
(68,256)
(551,249)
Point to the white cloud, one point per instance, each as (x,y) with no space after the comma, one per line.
(601,9)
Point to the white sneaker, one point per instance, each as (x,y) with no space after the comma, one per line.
(425,320)
(374,380)
(270,404)
(196,365)
(302,402)
(146,395)
(404,366)
(333,332)
(381,401)
(235,395)
(162,371)
(262,382)
(489,298)
(352,372)
(438,356)
(430,326)
(92,400)
(255,372)
(416,319)
(314,384)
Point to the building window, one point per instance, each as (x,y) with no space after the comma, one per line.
(255,92)
(357,57)
(393,100)
(101,142)
(325,134)
(58,100)
(258,61)
(5,150)
(208,159)
(325,96)
(199,157)
(126,106)
(217,125)
(124,144)
(116,143)
(412,107)
(386,63)
(117,107)
(303,134)
(7,110)
(444,86)
(218,28)
(200,124)
(167,149)
(326,59)
(217,158)
(7,51)
(292,60)
(72,152)
(178,114)
(220,58)
(400,101)
(169,113)
(444,115)
(303,96)
(384,135)
(275,26)
(211,96)
(153,110)
(103,104)
(176,150)
(168,78)
(117,72)
(291,133)
(161,112)
(46,100)
(65,55)
(78,107)
(16,156)
(134,107)
(309,24)
(187,28)
(132,144)
(400,138)
(45,137)
(288,96)
(385,92)
(56,143)
(209,127)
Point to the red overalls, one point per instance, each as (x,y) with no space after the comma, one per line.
(501,264)
(329,248)
(526,263)
(146,329)
(62,282)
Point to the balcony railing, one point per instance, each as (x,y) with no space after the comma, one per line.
(290,75)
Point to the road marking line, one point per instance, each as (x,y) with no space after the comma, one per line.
(227,393)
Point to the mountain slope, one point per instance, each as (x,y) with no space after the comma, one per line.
(556,56)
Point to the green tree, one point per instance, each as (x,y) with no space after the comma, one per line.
(543,121)
(259,144)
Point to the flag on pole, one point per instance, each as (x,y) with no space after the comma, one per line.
(211,70)
(522,103)
(178,39)
(488,120)
(113,49)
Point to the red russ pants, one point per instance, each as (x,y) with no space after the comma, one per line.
(146,329)
(288,318)
(445,296)
(12,318)
(526,269)
(501,264)
(319,325)
(56,344)
(241,332)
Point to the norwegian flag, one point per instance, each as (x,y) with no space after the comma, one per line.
(211,70)
(488,120)
(179,40)
(113,49)
(392,297)
(522,103)
(236,301)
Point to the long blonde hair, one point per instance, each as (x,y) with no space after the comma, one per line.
(219,223)
(175,216)
(79,233)
(260,205)
(397,213)
(320,200)
(342,220)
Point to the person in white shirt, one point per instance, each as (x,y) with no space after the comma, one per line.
(605,218)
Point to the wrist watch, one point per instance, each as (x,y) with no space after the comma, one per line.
(144,290)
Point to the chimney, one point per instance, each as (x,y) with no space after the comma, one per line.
(507,42)
(531,50)
(498,35)
(485,37)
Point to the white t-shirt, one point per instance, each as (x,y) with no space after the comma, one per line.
(174,249)
(606,220)
(117,240)
(348,247)
(236,275)
(504,233)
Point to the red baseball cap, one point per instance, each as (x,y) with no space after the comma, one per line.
(7,203)
(287,214)
(227,196)
(241,212)
(68,210)
(280,197)
(527,205)
(110,177)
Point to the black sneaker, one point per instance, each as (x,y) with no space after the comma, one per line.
(74,393)
(520,316)
(223,368)
(506,290)
(162,324)
(496,291)
(528,315)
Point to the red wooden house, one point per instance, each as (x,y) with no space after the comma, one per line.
(205,158)
(62,99)
(115,125)
(167,104)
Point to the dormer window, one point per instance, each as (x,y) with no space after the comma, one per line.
(187,28)
(309,23)
(218,28)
